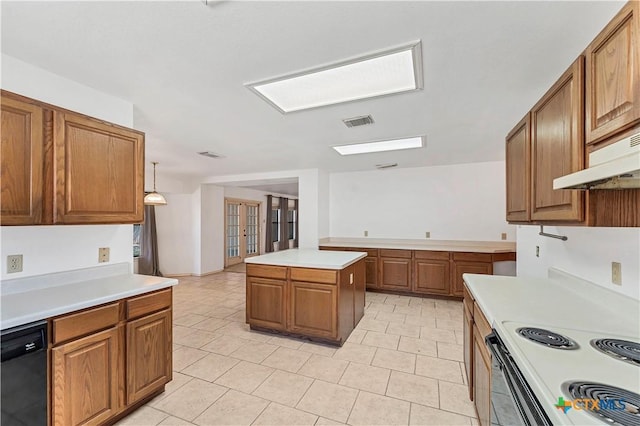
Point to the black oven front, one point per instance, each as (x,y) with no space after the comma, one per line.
(512,401)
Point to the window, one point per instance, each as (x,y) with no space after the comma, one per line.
(137,240)
(275,224)
(291,220)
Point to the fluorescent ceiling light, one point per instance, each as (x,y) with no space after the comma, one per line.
(390,145)
(393,71)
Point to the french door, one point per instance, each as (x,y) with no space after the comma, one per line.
(242,230)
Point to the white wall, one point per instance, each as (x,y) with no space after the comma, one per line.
(324,204)
(176,245)
(47,249)
(453,202)
(212,229)
(587,253)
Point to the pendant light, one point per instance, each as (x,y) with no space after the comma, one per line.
(154,198)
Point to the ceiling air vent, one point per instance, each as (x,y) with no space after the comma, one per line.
(386,165)
(210,154)
(358,121)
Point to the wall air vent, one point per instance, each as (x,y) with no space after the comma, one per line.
(358,121)
(210,154)
(386,165)
(635,140)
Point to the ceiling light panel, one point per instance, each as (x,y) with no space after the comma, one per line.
(395,71)
(390,145)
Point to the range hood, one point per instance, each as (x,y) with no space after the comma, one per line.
(616,166)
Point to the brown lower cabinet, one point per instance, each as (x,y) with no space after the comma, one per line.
(321,304)
(423,272)
(107,360)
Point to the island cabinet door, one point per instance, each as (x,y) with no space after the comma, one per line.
(314,309)
(266,303)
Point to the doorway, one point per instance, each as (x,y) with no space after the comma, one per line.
(242,230)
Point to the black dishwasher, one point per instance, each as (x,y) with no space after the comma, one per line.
(23,375)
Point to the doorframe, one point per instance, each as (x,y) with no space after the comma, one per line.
(242,216)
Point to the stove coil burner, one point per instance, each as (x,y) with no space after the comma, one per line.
(548,338)
(610,409)
(620,349)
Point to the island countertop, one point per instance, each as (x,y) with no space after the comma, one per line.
(308,258)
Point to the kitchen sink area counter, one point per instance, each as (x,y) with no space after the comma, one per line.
(306,293)
(427,244)
(557,337)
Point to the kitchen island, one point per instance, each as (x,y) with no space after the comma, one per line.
(307,293)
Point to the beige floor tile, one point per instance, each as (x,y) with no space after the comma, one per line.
(451,351)
(318,348)
(196,339)
(381,340)
(409,330)
(379,307)
(142,417)
(233,408)
(356,353)
(287,359)
(397,300)
(324,368)
(286,342)
(366,377)
(254,352)
(185,356)
(220,312)
(418,346)
(449,324)
(210,324)
(284,388)
(244,376)
(459,337)
(210,367)
(276,414)
(224,345)
(390,317)
(328,400)
(371,324)
(409,387)
(372,409)
(191,399)
(177,382)
(411,310)
(187,320)
(395,360)
(438,334)
(239,315)
(455,398)
(356,336)
(422,320)
(421,415)
(322,421)
(175,421)
(474,421)
(438,368)
(181,331)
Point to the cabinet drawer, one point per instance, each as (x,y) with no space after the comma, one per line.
(431,255)
(474,257)
(406,254)
(148,303)
(85,322)
(325,276)
(264,271)
(481,321)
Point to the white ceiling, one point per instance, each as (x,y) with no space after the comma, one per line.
(184,66)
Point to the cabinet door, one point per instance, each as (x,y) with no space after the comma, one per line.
(85,380)
(371,275)
(395,273)
(99,171)
(314,309)
(148,354)
(613,76)
(22,163)
(266,303)
(431,276)
(467,329)
(518,161)
(557,147)
(462,267)
(481,379)
(359,288)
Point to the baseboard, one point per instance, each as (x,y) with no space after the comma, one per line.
(207,273)
(178,275)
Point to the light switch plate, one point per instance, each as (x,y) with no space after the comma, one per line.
(616,273)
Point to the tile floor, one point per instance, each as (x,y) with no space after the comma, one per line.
(402,365)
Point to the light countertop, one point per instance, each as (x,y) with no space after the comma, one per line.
(435,245)
(309,258)
(36,298)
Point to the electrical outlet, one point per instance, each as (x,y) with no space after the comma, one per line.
(103,254)
(366,233)
(14,263)
(427,234)
(537,251)
(503,236)
(616,273)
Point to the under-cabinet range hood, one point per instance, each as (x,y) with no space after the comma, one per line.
(616,166)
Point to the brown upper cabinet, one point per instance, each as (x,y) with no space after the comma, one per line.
(61,167)
(613,76)
(557,147)
(518,161)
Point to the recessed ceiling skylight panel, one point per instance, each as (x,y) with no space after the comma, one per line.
(395,71)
